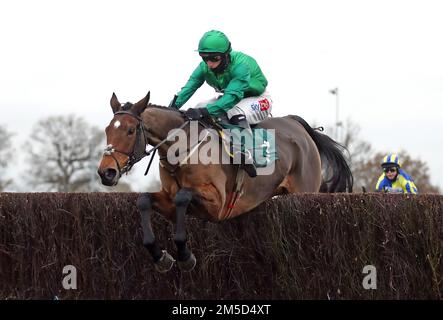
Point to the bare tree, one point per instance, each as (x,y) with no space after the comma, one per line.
(64,154)
(358,148)
(359,152)
(6,153)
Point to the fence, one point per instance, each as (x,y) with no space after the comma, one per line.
(309,246)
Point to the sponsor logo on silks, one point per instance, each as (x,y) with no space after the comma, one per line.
(264,104)
(255,106)
(261,105)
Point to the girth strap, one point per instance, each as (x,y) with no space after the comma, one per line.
(236,193)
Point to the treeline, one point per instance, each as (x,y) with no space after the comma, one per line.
(63,153)
(365,160)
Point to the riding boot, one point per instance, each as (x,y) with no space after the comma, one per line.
(243,150)
(244,159)
(248,165)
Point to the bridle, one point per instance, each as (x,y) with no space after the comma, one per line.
(139,150)
(141,141)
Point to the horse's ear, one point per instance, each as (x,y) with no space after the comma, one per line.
(140,106)
(115,104)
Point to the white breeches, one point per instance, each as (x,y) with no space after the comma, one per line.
(256,109)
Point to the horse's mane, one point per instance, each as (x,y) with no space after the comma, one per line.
(129,105)
(169,109)
(151,105)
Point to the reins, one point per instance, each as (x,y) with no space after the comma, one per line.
(154,149)
(133,157)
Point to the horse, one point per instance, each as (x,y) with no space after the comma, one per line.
(308,161)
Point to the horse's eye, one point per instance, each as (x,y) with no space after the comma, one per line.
(131,131)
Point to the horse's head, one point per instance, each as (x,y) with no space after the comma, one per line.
(126,140)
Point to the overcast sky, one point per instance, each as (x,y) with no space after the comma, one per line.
(386,58)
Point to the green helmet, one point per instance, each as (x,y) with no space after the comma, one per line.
(214,41)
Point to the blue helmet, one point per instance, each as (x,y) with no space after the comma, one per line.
(391,160)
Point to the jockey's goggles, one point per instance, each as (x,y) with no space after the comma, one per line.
(390,169)
(212,58)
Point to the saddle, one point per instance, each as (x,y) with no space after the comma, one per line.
(263,152)
(221,124)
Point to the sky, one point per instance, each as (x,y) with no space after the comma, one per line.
(68,57)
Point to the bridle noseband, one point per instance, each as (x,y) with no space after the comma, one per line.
(139,150)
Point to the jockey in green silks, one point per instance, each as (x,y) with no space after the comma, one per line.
(238,78)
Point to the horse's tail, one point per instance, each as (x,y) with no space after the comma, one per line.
(337,175)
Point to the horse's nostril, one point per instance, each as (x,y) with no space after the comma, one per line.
(110,174)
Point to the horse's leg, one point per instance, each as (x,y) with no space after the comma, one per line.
(185,259)
(163,261)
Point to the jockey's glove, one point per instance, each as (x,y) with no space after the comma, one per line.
(197,113)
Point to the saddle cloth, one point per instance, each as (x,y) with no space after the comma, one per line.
(262,147)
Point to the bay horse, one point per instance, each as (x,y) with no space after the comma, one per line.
(207,189)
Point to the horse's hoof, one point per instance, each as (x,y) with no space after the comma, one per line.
(187,265)
(165,263)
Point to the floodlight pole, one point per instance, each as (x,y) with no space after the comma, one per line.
(337,119)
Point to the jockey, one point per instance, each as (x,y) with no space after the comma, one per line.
(395,179)
(241,82)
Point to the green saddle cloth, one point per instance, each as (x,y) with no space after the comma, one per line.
(262,147)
